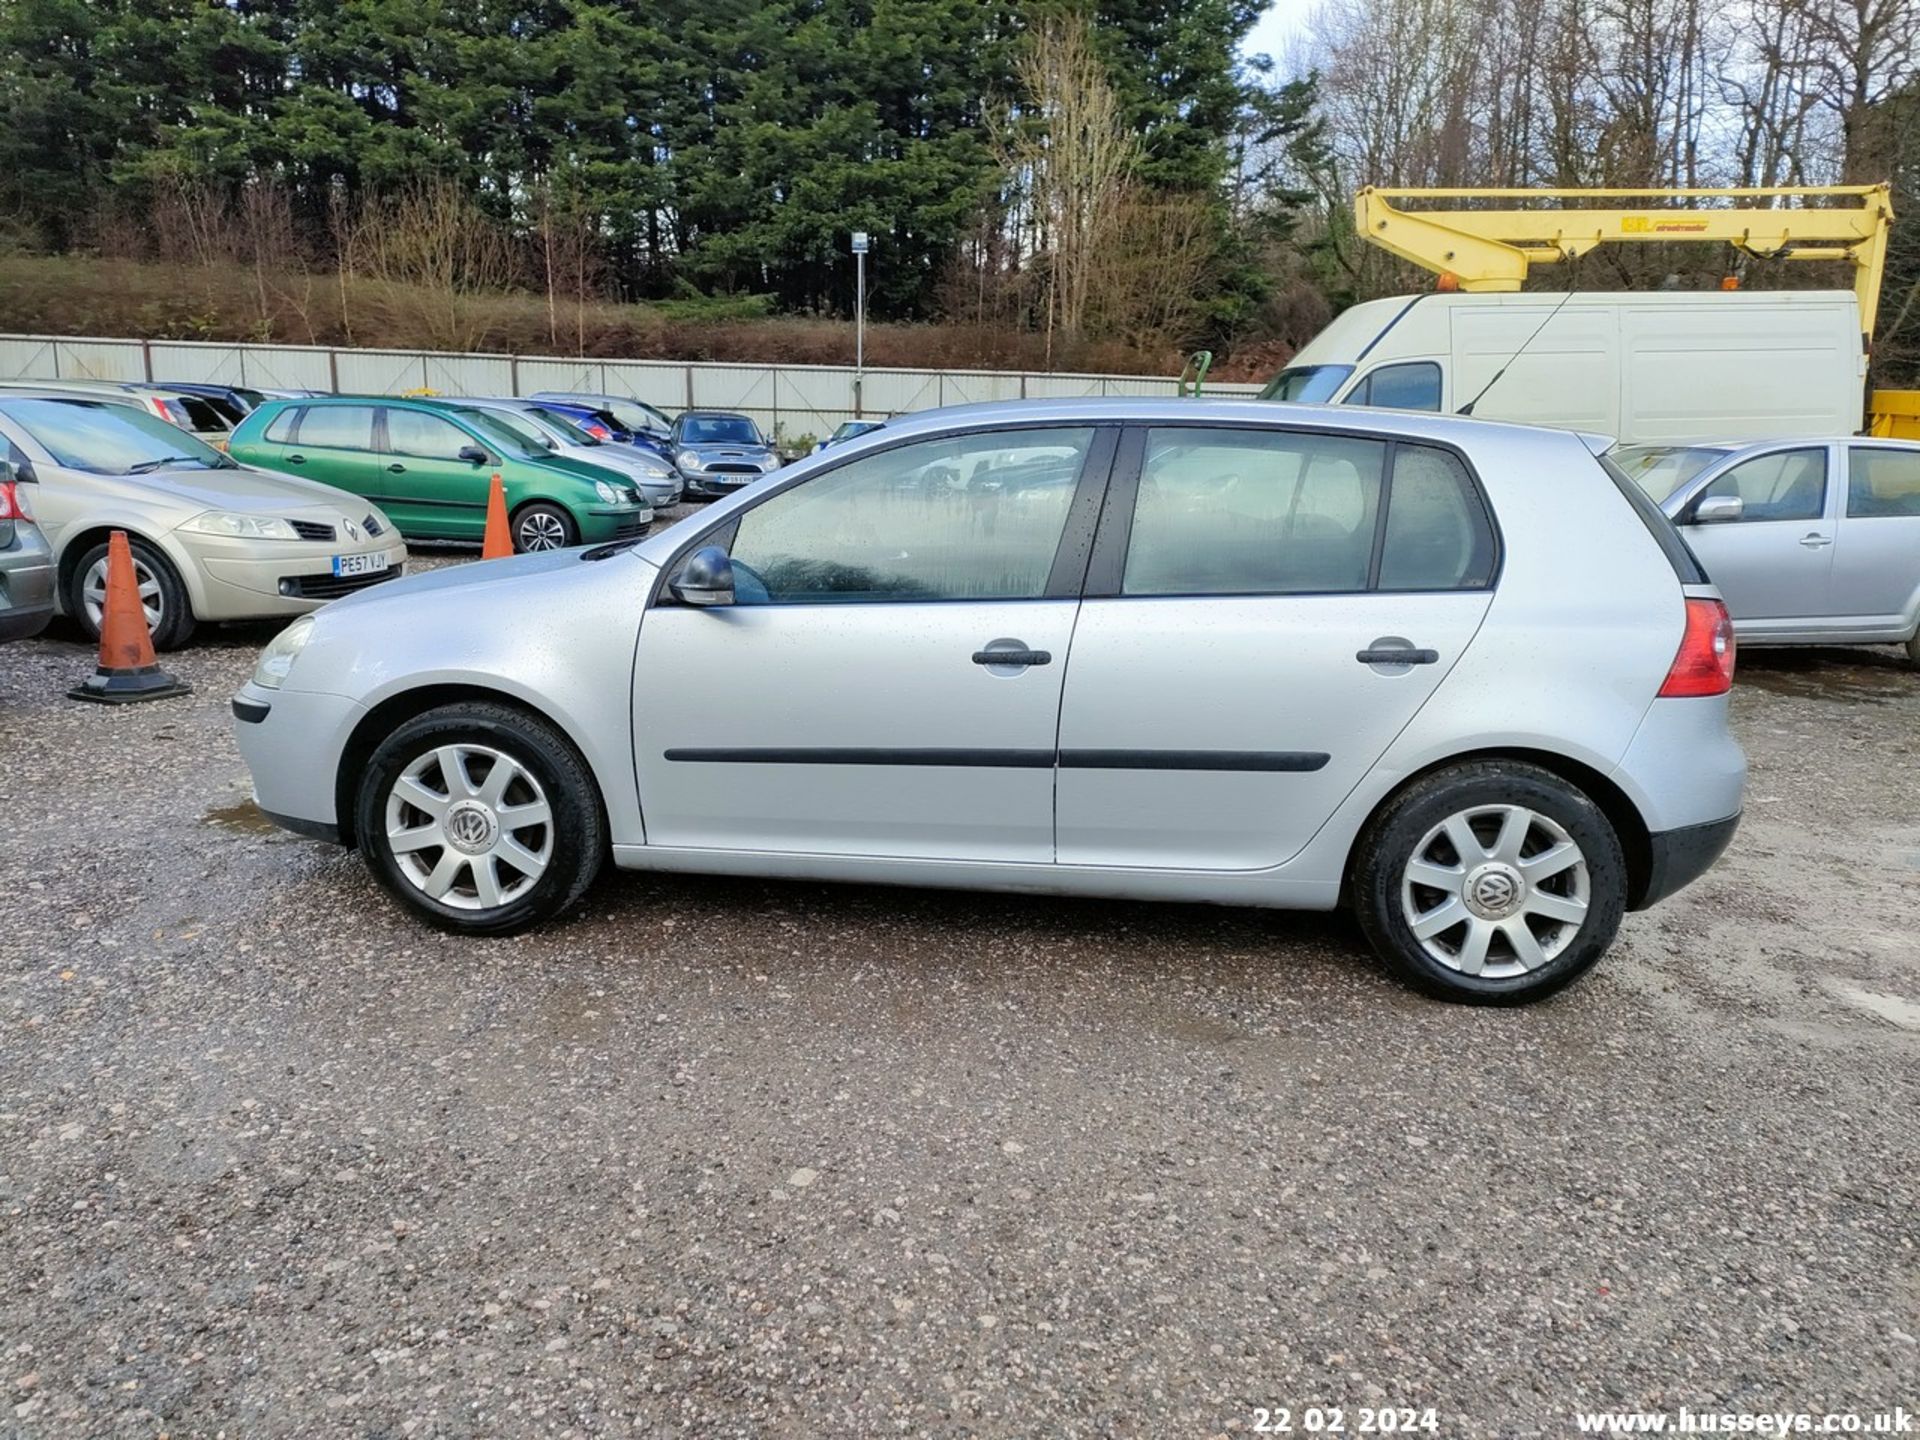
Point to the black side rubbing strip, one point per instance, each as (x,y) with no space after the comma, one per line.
(251,712)
(1250,760)
(1296,761)
(853,755)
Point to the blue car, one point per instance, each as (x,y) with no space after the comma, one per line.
(626,421)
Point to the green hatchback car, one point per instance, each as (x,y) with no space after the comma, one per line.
(430,467)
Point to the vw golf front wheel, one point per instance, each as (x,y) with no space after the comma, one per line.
(480,818)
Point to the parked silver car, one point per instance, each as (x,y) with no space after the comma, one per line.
(534,423)
(1811,542)
(211,540)
(1451,673)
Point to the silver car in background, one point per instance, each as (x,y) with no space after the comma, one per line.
(534,423)
(1452,674)
(211,539)
(1810,541)
(26,565)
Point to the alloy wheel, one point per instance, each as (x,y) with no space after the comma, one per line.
(1495,891)
(470,827)
(541,531)
(93,593)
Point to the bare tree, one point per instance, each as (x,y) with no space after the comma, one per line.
(1071,154)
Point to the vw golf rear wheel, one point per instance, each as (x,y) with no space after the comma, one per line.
(1491,883)
(480,818)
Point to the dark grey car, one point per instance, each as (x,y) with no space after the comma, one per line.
(26,566)
(718,452)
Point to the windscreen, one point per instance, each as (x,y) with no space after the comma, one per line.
(529,433)
(507,438)
(718,430)
(563,425)
(1659,470)
(1306,384)
(111,439)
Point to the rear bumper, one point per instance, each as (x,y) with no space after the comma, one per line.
(26,588)
(1680,857)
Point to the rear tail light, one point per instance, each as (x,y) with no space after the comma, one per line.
(1704,665)
(599,432)
(10,501)
(158,407)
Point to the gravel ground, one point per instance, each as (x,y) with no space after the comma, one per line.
(723,1158)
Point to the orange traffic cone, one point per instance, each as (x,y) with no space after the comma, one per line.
(127,670)
(498,540)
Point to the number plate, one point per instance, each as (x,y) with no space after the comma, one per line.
(360,564)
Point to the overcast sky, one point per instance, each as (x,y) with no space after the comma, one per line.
(1277,28)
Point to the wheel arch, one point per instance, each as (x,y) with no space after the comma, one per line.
(1636,844)
(387,715)
(75,543)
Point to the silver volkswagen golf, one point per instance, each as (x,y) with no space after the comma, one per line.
(1453,674)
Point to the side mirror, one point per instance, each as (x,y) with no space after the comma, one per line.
(474,455)
(706,578)
(1718,510)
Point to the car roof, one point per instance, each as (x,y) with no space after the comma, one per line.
(716,415)
(1149,410)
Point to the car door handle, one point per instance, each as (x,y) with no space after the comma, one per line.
(1815,540)
(296,459)
(396,468)
(1398,655)
(1012,658)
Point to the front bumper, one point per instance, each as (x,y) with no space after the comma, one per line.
(624,522)
(245,580)
(1680,857)
(712,485)
(292,741)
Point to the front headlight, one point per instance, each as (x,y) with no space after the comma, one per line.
(609,493)
(240,527)
(687,460)
(277,659)
(654,468)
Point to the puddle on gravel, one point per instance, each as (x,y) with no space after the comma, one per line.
(245,817)
(1825,677)
(1892,1008)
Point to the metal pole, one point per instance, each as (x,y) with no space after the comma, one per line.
(859,330)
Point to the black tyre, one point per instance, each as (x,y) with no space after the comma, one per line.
(541,526)
(480,818)
(1490,883)
(169,611)
(1913,647)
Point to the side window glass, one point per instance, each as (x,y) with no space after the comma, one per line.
(1437,535)
(424,436)
(978,517)
(284,427)
(1413,386)
(1883,482)
(337,427)
(1223,512)
(1787,485)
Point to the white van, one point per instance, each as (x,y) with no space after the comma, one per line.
(1646,368)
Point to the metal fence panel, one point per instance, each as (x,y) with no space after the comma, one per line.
(663,384)
(98,360)
(469,374)
(797,400)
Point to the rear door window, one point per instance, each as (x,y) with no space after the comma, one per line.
(284,427)
(1225,512)
(338,427)
(1882,482)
